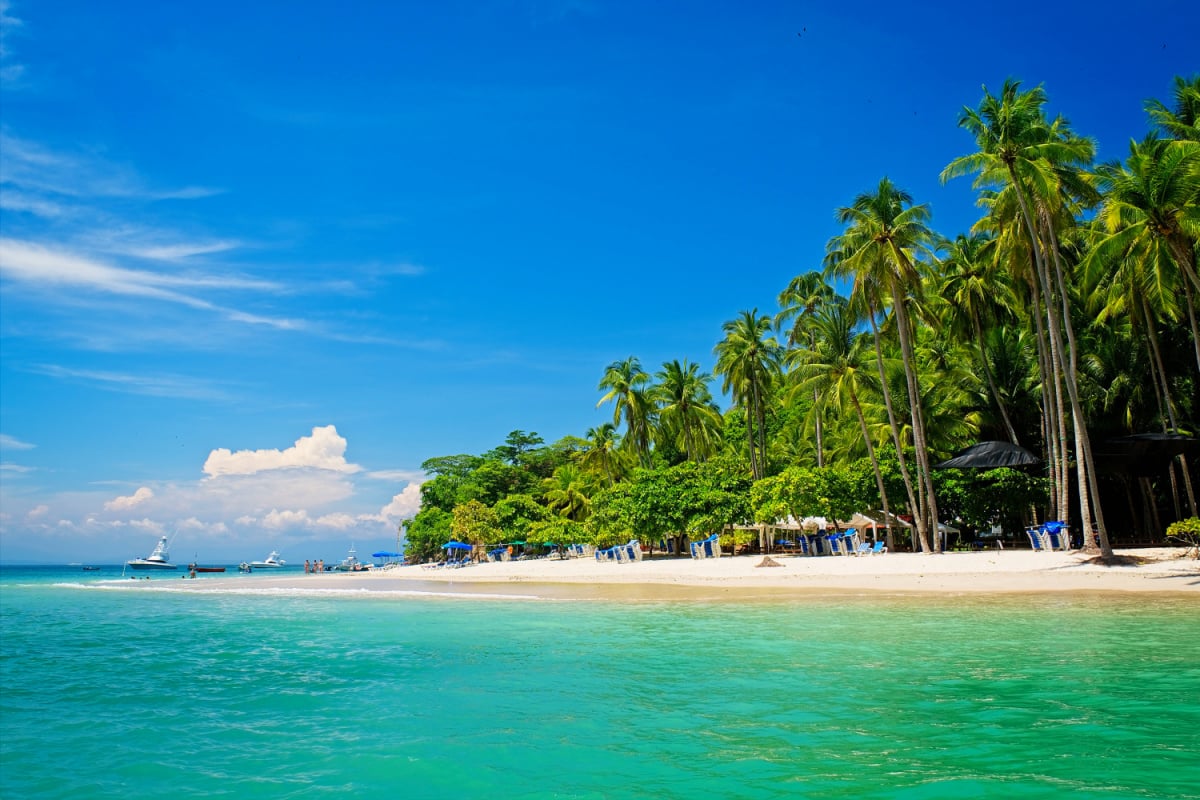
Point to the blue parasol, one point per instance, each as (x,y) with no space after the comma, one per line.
(456,546)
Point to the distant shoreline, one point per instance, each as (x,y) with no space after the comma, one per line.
(1156,570)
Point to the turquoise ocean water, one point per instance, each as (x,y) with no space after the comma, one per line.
(110,688)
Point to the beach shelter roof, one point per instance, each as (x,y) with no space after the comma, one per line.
(876,517)
(1143,455)
(990,455)
(814,522)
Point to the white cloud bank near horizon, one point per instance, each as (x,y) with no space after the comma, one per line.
(307,496)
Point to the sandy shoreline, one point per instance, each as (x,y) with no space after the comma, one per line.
(1148,570)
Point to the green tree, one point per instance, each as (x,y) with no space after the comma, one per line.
(1039,161)
(624,383)
(687,415)
(749,359)
(885,236)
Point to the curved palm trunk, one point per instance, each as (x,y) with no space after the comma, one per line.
(928,514)
(891,412)
(883,498)
(1168,404)
(1081,438)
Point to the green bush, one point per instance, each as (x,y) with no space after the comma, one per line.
(1186,532)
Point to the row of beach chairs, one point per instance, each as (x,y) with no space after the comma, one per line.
(450,563)
(844,543)
(707,548)
(622,553)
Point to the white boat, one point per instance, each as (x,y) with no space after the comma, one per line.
(272,561)
(159,559)
(351,563)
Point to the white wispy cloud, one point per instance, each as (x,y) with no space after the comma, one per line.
(12,443)
(39,266)
(10,73)
(177,386)
(38,169)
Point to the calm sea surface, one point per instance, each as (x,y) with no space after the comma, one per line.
(111,688)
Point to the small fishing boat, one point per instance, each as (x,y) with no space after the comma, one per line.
(244,567)
(91,569)
(272,561)
(351,563)
(159,559)
(198,568)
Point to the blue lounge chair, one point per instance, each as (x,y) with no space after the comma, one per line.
(1035,539)
(879,547)
(1056,536)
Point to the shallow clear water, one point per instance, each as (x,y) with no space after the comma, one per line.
(108,689)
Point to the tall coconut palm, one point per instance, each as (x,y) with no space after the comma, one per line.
(885,237)
(686,411)
(748,358)
(1151,217)
(626,385)
(1183,121)
(977,292)
(836,367)
(1018,148)
(601,456)
(804,296)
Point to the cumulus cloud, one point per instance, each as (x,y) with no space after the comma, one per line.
(324,450)
(403,505)
(38,511)
(283,520)
(125,503)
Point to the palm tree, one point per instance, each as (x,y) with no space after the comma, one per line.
(1151,214)
(976,291)
(601,455)
(1150,206)
(1183,121)
(565,493)
(686,411)
(749,358)
(625,382)
(1038,160)
(884,237)
(804,296)
(835,367)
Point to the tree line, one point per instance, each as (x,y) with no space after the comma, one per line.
(1066,315)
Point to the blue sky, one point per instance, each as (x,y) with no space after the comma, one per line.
(258,261)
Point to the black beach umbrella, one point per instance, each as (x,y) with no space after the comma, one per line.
(1144,455)
(990,455)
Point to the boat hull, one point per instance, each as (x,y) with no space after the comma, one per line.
(209,569)
(149,565)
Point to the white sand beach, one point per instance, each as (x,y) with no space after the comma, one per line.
(1142,570)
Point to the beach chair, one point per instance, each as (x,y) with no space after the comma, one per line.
(879,547)
(1035,539)
(803,546)
(1055,536)
(863,549)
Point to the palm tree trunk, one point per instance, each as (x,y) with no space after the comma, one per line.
(1168,404)
(883,498)
(1090,507)
(891,412)
(929,509)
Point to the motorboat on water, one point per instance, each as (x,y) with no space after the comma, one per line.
(351,563)
(159,559)
(272,561)
(197,568)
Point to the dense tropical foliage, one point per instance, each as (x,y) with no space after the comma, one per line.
(1065,318)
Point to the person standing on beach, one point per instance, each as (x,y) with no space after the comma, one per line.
(307,569)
